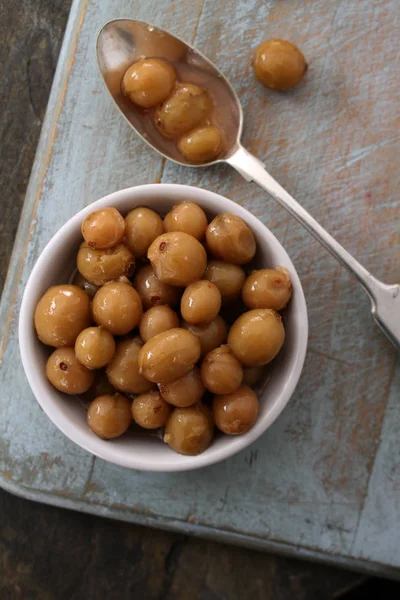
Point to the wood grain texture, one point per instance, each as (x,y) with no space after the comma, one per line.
(307,486)
(26,73)
(78,556)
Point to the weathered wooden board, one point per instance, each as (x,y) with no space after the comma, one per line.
(324,481)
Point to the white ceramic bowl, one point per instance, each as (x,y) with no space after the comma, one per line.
(139,451)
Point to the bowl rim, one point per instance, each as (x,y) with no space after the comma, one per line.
(104,449)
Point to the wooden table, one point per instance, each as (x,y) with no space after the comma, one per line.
(80,556)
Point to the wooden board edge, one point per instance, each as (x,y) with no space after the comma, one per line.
(39,169)
(201,531)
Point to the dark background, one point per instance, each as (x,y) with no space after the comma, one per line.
(49,553)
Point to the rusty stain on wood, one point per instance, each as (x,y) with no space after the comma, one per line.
(324,480)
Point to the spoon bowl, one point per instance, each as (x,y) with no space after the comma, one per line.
(122,42)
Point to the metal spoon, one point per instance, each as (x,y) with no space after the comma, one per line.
(122,42)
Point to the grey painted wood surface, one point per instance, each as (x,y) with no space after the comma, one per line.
(324,480)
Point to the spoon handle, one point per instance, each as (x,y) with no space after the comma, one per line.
(385,298)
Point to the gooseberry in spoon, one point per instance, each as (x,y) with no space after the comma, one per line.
(121,43)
